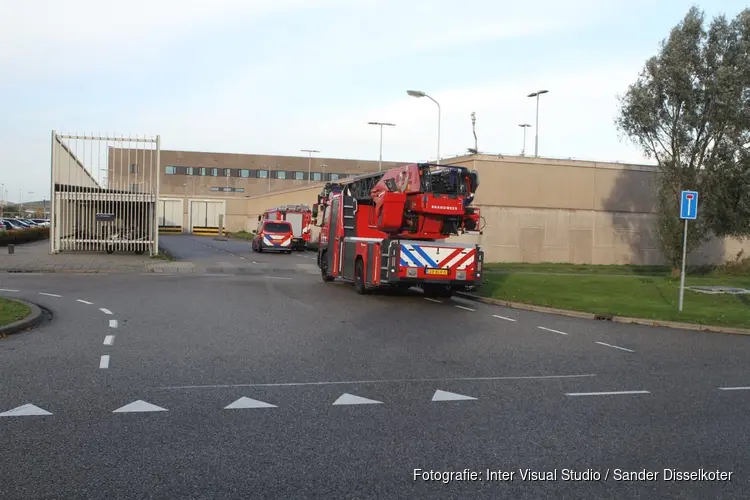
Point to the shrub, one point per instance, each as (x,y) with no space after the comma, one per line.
(23,235)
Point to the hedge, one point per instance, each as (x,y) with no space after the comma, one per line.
(23,235)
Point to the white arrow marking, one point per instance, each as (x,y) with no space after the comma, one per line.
(348,399)
(139,406)
(244,402)
(24,411)
(450,396)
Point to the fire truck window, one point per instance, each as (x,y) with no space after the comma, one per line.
(326,214)
(277,227)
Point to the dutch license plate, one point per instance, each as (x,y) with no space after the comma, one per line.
(437,272)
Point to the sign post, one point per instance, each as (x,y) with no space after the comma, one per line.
(688,211)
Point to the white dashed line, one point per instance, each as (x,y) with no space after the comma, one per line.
(105,311)
(433,300)
(278,278)
(243,258)
(616,347)
(734,388)
(85,302)
(614,393)
(104,362)
(503,317)
(50,294)
(109,340)
(113,323)
(467,308)
(551,330)
(7,290)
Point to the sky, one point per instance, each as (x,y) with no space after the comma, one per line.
(278,76)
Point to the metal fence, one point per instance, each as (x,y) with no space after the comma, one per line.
(104,194)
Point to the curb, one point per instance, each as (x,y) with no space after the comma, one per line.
(26,323)
(615,319)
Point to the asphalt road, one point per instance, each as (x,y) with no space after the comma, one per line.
(551,393)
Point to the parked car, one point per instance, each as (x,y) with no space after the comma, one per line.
(273,235)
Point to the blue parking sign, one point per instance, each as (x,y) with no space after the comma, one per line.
(689,205)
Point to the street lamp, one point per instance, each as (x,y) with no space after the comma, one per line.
(536,139)
(419,93)
(381,125)
(524,126)
(309,162)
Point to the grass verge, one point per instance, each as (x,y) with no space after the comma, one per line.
(241,235)
(651,297)
(12,311)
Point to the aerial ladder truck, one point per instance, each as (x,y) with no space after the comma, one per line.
(389,230)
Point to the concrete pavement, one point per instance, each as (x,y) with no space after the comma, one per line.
(549,393)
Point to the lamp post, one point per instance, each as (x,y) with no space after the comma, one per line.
(418,94)
(381,125)
(309,162)
(536,139)
(524,126)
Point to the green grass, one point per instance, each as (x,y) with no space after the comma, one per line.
(162,255)
(242,235)
(12,311)
(652,297)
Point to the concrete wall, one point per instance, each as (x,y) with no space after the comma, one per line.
(542,210)
(68,169)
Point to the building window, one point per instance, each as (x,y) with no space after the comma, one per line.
(316,176)
(215,188)
(227,172)
(280,174)
(134,187)
(133,168)
(262,174)
(244,173)
(189,170)
(299,176)
(202,171)
(214,172)
(171,170)
(333,177)
(239,190)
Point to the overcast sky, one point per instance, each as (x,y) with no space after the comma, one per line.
(274,77)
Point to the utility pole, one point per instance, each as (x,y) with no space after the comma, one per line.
(381,125)
(309,162)
(524,126)
(536,139)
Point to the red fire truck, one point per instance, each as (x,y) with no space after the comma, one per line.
(300,217)
(389,229)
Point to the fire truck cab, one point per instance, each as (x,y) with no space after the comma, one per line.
(299,216)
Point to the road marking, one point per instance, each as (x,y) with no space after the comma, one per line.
(104,361)
(503,317)
(113,323)
(85,302)
(243,258)
(25,411)
(50,294)
(551,330)
(278,278)
(614,393)
(467,308)
(244,402)
(450,396)
(349,399)
(384,381)
(734,388)
(616,347)
(7,290)
(138,407)
(109,340)
(433,300)
(105,311)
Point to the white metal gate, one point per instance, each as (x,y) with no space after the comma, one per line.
(104,193)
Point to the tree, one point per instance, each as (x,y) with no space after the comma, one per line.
(689,109)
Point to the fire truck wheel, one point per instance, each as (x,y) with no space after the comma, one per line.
(323,269)
(359,277)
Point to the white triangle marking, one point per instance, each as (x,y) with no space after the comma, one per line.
(24,411)
(348,399)
(450,396)
(244,402)
(139,406)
